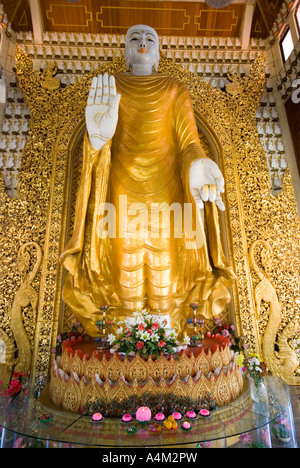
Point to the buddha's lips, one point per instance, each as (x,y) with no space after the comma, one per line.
(142,50)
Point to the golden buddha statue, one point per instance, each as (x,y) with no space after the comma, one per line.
(142,154)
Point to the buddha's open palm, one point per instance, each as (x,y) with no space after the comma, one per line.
(206,182)
(101,112)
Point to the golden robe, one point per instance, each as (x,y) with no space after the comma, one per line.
(146,164)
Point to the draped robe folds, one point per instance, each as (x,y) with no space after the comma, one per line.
(145,165)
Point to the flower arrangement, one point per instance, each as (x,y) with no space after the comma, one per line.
(146,335)
(256,368)
(252,365)
(247,442)
(228,331)
(15,385)
(72,335)
(281,428)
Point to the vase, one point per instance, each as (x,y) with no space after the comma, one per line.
(258,391)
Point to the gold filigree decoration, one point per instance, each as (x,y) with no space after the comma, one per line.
(137,368)
(283,362)
(24,297)
(72,393)
(7,357)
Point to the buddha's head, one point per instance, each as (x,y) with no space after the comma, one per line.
(141,49)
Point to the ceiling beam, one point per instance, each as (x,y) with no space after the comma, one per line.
(247,23)
(37,21)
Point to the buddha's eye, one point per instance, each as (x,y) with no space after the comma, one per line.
(134,39)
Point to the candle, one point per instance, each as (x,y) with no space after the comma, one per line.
(204,412)
(186,426)
(159,417)
(143,414)
(126,418)
(176,416)
(191,414)
(97,418)
(131,430)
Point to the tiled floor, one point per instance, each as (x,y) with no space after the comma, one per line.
(295,399)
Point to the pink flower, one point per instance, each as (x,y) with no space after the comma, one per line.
(245,438)
(155,326)
(141,327)
(139,345)
(266,438)
(161,343)
(18,443)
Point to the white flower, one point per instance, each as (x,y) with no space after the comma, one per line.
(154,337)
(186,340)
(119,331)
(171,334)
(111,338)
(145,336)
(139,334)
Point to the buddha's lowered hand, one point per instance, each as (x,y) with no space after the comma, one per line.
(206,182)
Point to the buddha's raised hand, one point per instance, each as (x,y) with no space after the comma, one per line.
(206,182)
(101,112)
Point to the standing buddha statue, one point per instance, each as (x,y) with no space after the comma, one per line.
(142,153)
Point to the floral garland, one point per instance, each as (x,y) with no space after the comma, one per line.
(145,335)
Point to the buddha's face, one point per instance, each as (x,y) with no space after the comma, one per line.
(142,47)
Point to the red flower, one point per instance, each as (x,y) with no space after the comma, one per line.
(149,331)
(139,345)
(161,343)
(155,326)
(17,375)
(141,327)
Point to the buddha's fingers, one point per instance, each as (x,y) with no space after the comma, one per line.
(92,92)
(105,89)
(197,197)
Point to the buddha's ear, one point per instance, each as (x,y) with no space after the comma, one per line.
(127,64)
(156,64)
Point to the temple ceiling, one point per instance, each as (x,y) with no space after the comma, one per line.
(170,18)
